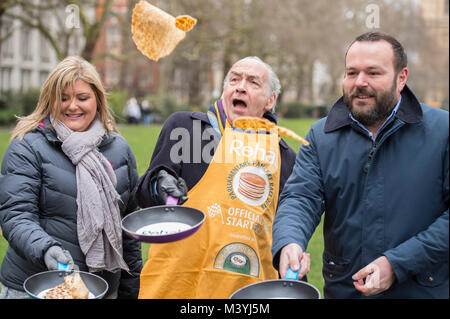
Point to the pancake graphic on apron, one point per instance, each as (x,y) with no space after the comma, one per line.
(251,186)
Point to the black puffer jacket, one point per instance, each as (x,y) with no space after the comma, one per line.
(38,206)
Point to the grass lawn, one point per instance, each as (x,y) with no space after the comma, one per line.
(142,140)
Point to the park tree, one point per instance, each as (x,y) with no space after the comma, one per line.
(294,36)
(58,21)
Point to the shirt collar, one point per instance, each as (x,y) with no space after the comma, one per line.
(409,111)
(394,111)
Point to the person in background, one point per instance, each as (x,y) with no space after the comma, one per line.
(232,247)
(132,111)
(65,182)
(147,108)
(378,167)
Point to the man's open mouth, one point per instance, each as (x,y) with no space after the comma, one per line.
(238,102)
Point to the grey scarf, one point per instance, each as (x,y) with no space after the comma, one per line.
(98,215)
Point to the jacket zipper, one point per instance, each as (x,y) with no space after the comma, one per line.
(388,130)
(372,151)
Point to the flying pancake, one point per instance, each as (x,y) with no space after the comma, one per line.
(155,32)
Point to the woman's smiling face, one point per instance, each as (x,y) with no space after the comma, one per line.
(78,106)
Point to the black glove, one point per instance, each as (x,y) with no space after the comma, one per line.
(56,254)
(167,185)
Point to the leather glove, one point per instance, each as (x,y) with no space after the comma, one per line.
(169,185)
(56,254)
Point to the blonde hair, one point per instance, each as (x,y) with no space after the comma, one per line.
(66,73)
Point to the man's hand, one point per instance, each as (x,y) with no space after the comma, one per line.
(168,185)
(379,276)
(292,255)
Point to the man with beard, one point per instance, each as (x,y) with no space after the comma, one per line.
(378,167)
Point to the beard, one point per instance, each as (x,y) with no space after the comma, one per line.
(369,115)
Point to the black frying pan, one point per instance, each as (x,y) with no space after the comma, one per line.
(278,289)
(42,281)
(190,218)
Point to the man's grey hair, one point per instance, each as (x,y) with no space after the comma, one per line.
(274,81)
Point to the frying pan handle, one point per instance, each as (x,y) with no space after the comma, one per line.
(290,274)
(172,201)
(67,267)
(64,267)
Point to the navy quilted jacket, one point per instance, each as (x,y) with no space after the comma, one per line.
(38,206)
(389,197)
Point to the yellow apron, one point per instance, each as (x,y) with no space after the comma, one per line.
(238,194)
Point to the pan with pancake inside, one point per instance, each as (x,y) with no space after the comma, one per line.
(37,283)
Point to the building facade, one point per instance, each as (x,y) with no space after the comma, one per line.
(436,16)
(26,56)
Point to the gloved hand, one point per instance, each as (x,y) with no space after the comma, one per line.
(56,254)
(167,185)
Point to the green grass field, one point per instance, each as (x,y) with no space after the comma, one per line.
(142,140)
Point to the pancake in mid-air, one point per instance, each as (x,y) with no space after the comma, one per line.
(155,32)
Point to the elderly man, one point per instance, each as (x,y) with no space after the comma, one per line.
(378,167)
(229,174)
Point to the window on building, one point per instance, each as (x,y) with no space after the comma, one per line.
(5,79)
(112,72)
(44,49)
(7,45)
(26,44)
(113,36)
(42,77)
(26,79)
(145,76)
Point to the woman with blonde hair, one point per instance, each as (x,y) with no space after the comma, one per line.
(65,183)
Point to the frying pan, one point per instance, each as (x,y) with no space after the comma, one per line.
(191,218)
(278,289)
(39,282)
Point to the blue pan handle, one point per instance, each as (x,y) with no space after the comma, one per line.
(290,274)
(65,267)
